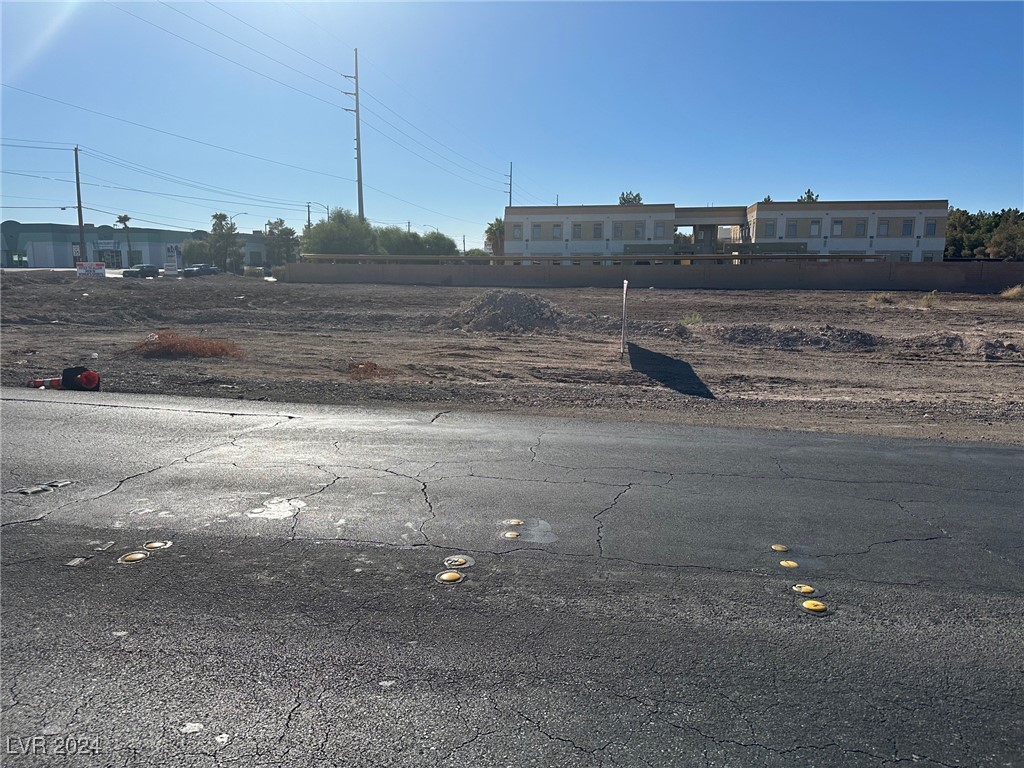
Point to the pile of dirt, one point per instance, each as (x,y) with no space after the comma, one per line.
(763,336)
(507,311)
(791,337)
(931,342)
(997,349)
(844,339)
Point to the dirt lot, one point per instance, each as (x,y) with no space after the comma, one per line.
(947,366)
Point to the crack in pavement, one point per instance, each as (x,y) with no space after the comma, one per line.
(756,745)
(880,543)
(554,737)
(600,523)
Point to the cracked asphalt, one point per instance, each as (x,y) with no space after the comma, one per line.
(640,618)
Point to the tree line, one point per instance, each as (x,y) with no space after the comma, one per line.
(985,235)
(341,232)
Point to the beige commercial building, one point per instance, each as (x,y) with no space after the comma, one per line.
(833,230)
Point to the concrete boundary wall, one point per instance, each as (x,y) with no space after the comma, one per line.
(947,277)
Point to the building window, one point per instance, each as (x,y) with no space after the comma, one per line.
(638,231)
(659,229)
(837,227)
(577,231)
(816,228)
(927,257)
(536,231)
(700,234)
(556,231)
(861,228)
(517,231)
(617,231)
(908,227)
(904,257)
(790,229)
(883,227)
(769,229)
(598,231)
(929,227)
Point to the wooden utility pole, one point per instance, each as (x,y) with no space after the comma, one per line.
(81,221)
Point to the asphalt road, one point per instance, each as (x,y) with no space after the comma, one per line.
(640,618)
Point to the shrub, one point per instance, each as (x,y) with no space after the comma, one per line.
(1014,292)
(694,319)
(367,369)
(882,298)
(170,344)
(929,300)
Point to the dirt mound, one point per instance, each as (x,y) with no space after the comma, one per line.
(997,349)
(844,339)
(932,342)
(827,337)
(509,311)
(763,336)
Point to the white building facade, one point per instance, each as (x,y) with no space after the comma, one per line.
(571,234)
(868,230)
(890,230)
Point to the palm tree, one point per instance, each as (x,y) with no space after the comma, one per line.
(494,237)
(123,220)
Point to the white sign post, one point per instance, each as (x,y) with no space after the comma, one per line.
(625,288)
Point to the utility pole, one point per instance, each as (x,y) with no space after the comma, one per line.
(309,217)
(510,185)
(463,246)
(359,148)
(81,221)
(408,226)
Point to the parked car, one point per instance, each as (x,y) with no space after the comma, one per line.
(141,270)
(194,270)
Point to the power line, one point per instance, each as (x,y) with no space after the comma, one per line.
(30,146)
(427,160)
(379,101)
(271,37)
(281,82)
(226,58)
(180,136)
(295,207)
(183,181)
(380,117)
(233,151)
(249,47)
(147,221)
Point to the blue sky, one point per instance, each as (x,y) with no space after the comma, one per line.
(685,103)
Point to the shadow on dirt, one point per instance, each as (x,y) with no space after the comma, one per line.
(674,374)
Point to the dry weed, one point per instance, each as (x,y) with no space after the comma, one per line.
(929,300)
(882,298)
(367,369)
(170,344)
(1014,292)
